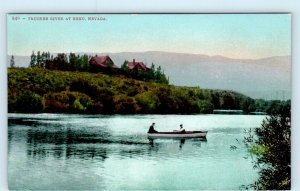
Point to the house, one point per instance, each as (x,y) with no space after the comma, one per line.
(137,66)
(102,64)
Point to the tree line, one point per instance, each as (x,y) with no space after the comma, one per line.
(73,62)
(154,74)
(62,61)
(77,92)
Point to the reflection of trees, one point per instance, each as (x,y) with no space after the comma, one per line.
(86,152)
(70,143)
(131,153)
(9,139)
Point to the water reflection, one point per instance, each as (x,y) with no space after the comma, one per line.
(181,141)
(114,153)
(44,140)
(67,143)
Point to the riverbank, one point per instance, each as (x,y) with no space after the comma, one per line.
(34,90)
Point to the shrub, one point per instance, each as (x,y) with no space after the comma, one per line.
(125,105)
(29,102)
(271,145)
(66,101)
(148,102)
(205,106)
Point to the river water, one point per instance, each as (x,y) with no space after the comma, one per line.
(86,152)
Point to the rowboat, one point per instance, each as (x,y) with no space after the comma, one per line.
(176,134)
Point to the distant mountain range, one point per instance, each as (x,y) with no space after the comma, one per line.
(267,78)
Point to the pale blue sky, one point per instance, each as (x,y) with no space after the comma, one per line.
(231,35)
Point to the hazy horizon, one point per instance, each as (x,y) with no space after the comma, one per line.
(148,51)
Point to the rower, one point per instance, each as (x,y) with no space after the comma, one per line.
(181,128)
(151,129)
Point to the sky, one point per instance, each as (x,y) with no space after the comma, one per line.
(244,36)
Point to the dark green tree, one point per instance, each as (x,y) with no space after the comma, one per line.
(43,59)
(73,59)
(12,61)
(81,63)
(61,61)
(271,145)
(39,59)
(32,60)
(124,66)
(110,63)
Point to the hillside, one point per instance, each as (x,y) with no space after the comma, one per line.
(267,78)
(41,90)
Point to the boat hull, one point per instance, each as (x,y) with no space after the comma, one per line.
(187,134)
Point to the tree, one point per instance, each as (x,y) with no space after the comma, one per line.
(33,59)
(61,62)
(73,60)
(79,63)
(39,59)
(271,145)
(124,66)
(152,71)
(12,61)
(43,59)
(110,63)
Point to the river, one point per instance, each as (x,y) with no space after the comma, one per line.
(86,152)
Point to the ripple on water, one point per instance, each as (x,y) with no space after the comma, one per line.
(113,152)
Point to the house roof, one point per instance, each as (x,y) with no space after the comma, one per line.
(132,65)
(101,61)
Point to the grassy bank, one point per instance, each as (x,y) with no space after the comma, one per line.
(42,90)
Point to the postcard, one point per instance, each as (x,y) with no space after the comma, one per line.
(149,101)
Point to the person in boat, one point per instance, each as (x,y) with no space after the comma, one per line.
(151,129)
(181,128)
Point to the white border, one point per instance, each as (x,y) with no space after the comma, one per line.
(153,6)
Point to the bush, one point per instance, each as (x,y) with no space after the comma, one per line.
(148,102)
(103,91)
(65,101)
(29,102)
(271,145)
(205,106)
(125,105)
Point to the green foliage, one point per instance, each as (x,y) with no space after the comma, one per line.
(79,63)
(73,62)
(112,94)
(12,61)
(124,66)
(38,59)
(66,101)
(63,62)
(148,102)
(248,105)
(258,149)
(205,106)
(29,102)
(110,63)
(32,60)
(271,145)
(151,75)
(125,105)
